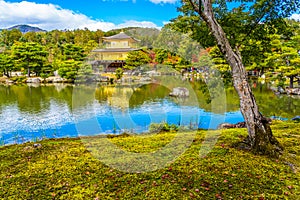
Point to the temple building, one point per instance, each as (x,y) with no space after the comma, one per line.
(115,51)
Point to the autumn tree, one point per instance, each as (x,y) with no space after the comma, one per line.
(229,28)
(161,55)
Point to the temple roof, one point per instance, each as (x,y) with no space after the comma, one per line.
(115,50)
(119,36)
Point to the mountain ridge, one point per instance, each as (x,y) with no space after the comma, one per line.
(25,28)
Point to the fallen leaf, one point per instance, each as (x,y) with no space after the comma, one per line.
(290,187)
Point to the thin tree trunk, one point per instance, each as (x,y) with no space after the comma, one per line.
(6,72)
(260,138)
(28,72)
(291,81)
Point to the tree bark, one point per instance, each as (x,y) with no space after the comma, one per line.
(291,81)
(28,72)
(6,72)
(260,138)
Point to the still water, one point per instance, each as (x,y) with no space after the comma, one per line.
(31,113)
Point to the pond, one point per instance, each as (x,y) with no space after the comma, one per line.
(31,113)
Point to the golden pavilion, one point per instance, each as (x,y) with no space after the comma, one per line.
(115,51)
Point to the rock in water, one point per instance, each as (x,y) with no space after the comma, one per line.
(180,92)
(297,118)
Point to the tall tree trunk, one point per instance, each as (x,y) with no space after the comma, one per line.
(260,138)
(291,81)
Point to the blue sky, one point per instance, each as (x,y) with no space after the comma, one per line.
(92,14)
(119,11)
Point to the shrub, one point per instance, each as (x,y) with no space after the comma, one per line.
(163,127)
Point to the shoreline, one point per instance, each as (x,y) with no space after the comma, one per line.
(70,169)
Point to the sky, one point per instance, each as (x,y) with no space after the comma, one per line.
(92,14)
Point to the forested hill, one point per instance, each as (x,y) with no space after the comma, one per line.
(26,28)
(145,35)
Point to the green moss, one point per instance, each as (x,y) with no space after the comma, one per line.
(65,169)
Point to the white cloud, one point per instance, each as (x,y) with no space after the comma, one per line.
(296,17)
(165,22)
(163,1)
(133,23)
(49,17)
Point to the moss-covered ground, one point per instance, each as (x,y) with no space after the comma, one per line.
(65,169)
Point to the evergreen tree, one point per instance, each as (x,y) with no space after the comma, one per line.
(6,64)
(29,55)
(136,58)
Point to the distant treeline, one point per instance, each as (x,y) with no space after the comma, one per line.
(45,52)
(276,55)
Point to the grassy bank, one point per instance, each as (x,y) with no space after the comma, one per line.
(64,169)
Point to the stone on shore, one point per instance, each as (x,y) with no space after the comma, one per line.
(55,79)
(33,80)
(293,91)
(228,125)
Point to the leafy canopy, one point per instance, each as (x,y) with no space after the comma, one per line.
(241,19)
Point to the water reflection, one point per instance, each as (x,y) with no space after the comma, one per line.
(30,112)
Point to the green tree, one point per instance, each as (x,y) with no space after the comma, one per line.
(29,55)
(283,61)
(289,66)
(219,62)
(176,43)
(30,37)
(85,73)
(204,60)
(136,58)
(230,28)
(161,55)
(72,51)
(68,69)
(6,64)
(119,73)
(90,45)
(8,37)
(168,39)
